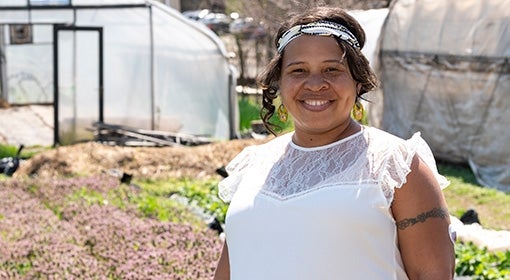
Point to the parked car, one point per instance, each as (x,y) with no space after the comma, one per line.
(195,14)
(247,28)
(217,22)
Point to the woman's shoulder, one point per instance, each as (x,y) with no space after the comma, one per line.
(384,145)
(378,138)
(395,153)
(381,138)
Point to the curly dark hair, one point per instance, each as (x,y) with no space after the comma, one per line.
(357,62)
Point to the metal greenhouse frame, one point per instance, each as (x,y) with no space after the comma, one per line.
(136,64)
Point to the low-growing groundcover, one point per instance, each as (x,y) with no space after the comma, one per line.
(97,228)
(59,219)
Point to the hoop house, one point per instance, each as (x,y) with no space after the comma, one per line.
(445,71)
(126,62)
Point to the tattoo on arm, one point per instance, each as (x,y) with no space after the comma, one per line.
(434,213)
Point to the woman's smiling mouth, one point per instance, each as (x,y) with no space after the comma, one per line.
(315,104)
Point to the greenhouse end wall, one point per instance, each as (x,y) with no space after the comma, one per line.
(445,72)
(160,71)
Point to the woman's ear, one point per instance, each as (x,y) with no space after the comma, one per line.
(358,89)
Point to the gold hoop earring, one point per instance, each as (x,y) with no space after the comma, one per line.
(358,111)
(283,115)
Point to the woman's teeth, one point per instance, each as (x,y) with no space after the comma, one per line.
(315,102)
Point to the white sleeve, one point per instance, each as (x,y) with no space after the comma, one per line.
(228,186)
(398,163)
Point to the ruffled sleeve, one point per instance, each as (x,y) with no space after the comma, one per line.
(397,164)
(228,186)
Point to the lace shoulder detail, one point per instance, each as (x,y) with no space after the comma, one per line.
(228,186)
(251,157)
(396,163)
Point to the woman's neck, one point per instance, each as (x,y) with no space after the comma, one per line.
(309,140)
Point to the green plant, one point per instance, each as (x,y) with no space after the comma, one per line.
(21,267)
(480,263)
(205,196)
(200,194)
(89,196)
(149,202)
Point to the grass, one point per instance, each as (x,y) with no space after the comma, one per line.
(465,193)
(250,108)
(27,152)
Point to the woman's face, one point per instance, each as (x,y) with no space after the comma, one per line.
(317,87)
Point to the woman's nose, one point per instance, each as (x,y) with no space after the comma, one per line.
(316,82)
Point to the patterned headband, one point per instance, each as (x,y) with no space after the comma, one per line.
(318,28)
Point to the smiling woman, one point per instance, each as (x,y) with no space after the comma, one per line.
(316,83)
(332,199)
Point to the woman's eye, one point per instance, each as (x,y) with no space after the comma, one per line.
(296,71)
(332,69)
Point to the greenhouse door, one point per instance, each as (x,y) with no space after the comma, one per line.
(78,82)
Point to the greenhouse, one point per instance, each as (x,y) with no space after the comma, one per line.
(132,63)
(445,72)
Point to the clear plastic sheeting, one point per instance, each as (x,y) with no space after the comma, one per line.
(14,16)
(48,16)
(160,70)
(445,71)
(30,79)
(13,3)
(49,2)
(107,2)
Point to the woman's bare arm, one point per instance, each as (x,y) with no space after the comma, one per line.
(422,219)
(223,268)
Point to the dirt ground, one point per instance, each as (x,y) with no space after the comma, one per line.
(92,158)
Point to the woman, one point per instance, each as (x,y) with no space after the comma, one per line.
(333,199)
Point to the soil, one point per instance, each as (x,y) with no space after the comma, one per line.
(92,158)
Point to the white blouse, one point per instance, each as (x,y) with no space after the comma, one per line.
(318,213)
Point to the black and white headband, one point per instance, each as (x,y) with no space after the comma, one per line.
(318,28)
